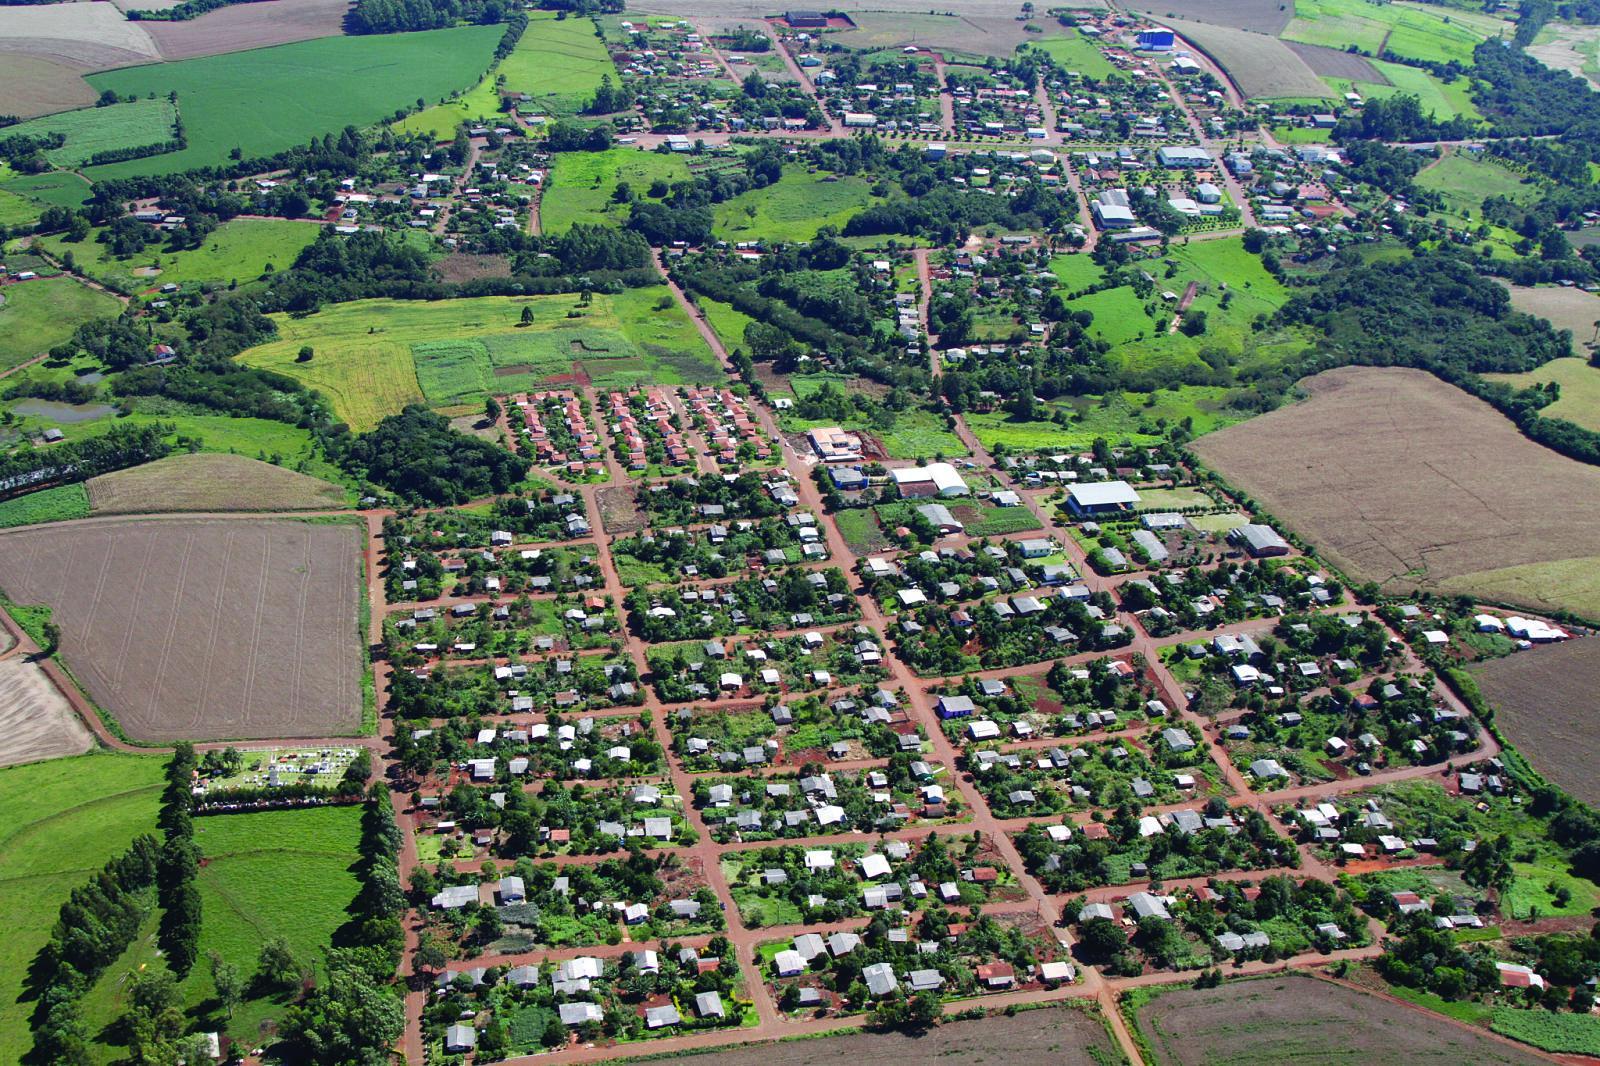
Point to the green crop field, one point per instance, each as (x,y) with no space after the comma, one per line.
(1412,31)
(559,62)
(1077,53)
(238,250)
(47,505)
(66,818)
(1548,1030)
(375,356)
(270,874)
(1444,100)
(136,124)
(580,184)
(270,99)
(37,315)
(793,209)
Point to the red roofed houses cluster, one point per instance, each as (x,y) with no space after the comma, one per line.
(639,418)
(566,439)
(727,423)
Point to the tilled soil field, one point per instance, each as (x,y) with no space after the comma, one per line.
(36,722)
(1402,479)
(244,26)
(1302,1019)
(1260,16)
(1332,63)
(1262,67)
(210,482)
(202,628)
(1050,1036)
(1544,701)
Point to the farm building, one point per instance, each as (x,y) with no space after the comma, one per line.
(805,20)
(1260,541)
(1156,41)
(1101,497)
(940,517)
(935,479)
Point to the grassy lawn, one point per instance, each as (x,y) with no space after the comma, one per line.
(239,250)
(37,315)
(581,183)
(793,209)
(1076,271)
(559,62)
(270,99)
(375,356)
(47,505)
(136,124)
(68,818)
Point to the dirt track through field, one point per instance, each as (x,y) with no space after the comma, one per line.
(202,629)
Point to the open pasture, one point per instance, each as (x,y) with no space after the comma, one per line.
(1404,480)
(793,209)
(36,721)
(1544,701)
(1444,100)
(375,356)
(202,628)
(56,187)
(270,99)
(1300,1019)
(1467,182)
(1571,309)
(136,124)
(39,314)
(558,62)
(1264,68)
(1077,53)
(245,26)
(209,482)
(1579,382)
(66,818)
(581,183)
(239,250)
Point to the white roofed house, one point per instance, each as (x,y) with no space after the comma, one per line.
(1101,497)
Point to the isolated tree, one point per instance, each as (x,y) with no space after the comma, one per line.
(527,315)
(306,352)
(277,968)
(491,409)
(226,980)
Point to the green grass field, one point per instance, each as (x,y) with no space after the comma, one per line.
(1467,182)
(239,250)
(37,315)
(375,356)
(1580,389)
(67,818)
(58,188)
(271,874)
(136,124)
(1224,271)
(1444,100)
(726,321)
(793,209)
(1413,31)
(270,99)
(559,62)
(481,103)
(1076,271)
(47,505)
(581,183)
(1077,53)
(1132,418)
